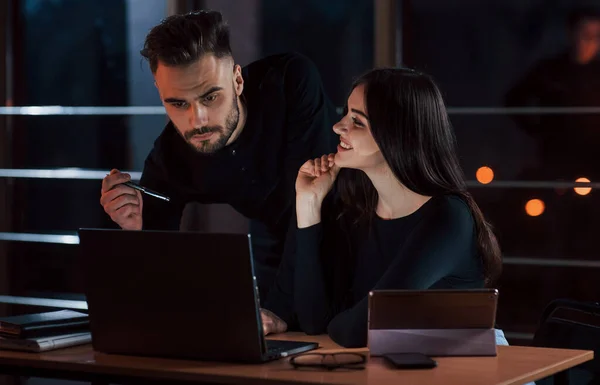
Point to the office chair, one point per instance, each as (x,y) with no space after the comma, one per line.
(570,324)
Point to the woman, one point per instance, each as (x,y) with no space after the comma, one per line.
(389,210)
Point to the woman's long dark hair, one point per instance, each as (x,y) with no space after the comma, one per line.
(410,124)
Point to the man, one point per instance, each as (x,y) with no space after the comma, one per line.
(567,144)
(569,79)
(235,136)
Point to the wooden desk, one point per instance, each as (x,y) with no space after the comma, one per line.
(513,365)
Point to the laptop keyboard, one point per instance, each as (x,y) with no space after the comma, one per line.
(276,347)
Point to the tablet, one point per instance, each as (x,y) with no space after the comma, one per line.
(433,322)
(433,309)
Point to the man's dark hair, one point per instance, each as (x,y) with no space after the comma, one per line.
(577,15)
(180,40)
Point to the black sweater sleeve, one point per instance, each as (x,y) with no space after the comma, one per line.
(156,213)
(280,299)
(440,244)
(289,298)
(312,302)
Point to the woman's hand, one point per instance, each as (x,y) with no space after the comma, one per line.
(315,179)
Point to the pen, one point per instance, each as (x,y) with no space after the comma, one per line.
(147,191)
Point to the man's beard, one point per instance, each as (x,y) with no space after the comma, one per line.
(224,133)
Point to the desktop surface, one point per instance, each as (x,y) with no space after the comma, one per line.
(513,365)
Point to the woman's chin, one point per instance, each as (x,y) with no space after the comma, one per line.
(341,161)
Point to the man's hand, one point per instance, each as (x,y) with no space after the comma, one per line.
(271,323)
(122,203)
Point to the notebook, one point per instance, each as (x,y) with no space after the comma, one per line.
(43,324)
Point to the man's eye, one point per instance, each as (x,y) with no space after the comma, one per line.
(179,104)
(210,98)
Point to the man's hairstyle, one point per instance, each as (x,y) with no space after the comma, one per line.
(180,40)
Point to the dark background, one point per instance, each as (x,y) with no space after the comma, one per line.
(81,53)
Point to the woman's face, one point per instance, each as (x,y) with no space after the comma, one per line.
(357,148)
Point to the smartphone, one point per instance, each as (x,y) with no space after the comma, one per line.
(410,360)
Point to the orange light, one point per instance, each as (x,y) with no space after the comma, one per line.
(535,207)
(484,175)
(583,190)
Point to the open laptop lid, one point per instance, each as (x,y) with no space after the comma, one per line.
(179,294)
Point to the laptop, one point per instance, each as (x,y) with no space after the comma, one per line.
(185,295)
(440,322)
(44,344)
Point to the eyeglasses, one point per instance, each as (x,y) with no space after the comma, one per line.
(329,361)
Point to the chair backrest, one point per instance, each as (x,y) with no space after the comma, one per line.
(570,324)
